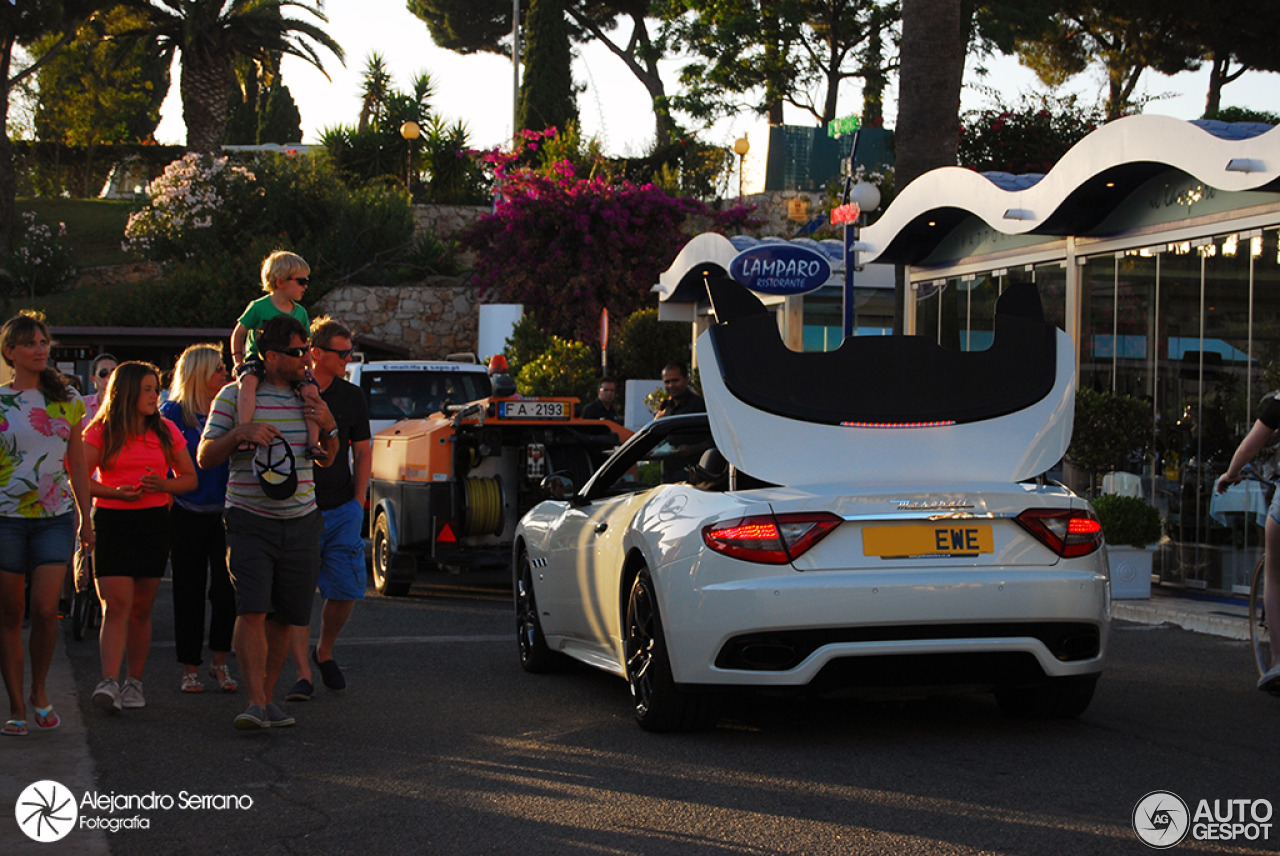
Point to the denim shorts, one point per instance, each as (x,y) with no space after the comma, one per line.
(1274,511)
(27,543)
(342,569)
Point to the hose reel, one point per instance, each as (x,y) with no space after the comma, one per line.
(482,506)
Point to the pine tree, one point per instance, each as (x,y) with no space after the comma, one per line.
(547,96)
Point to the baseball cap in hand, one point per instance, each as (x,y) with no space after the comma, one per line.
(274,466)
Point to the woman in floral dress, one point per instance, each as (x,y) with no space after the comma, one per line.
(42,464)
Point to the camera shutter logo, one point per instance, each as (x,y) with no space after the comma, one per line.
(46,811)
(1161,819)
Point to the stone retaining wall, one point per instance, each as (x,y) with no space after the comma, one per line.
(772,208)
(432,319)
(446,221)
(116,274)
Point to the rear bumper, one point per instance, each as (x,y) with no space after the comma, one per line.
(973,626)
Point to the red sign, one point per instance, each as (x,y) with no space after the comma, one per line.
(847,213)
(604,329)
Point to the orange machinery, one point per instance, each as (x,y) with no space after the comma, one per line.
(447,491)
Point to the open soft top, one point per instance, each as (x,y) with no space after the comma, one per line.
(888,407)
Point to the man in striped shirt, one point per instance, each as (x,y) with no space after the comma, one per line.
(273,525)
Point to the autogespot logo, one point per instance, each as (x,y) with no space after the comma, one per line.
(46,811)
(1161,819)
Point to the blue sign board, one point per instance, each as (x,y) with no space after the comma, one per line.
(781,269)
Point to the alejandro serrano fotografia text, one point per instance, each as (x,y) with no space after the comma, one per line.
(112,802)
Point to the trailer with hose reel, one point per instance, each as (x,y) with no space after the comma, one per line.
(447,491)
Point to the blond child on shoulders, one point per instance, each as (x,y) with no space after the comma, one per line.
(285,280)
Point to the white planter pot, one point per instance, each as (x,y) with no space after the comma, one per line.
(1130,572)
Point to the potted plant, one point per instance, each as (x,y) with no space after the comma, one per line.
(1129,527)
(1109,429)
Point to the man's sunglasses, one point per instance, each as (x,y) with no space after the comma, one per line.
(105,372)
(301,280)
(344,353)
(296,353)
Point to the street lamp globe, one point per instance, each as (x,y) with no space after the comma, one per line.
(740,148)
(866,195)
(410,130)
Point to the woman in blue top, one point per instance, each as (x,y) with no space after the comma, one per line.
(199,549)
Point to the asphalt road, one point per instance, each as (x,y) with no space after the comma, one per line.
(443,745)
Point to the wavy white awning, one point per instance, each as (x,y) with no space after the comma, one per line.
(1229,157)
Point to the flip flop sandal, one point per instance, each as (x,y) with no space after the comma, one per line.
(15,728)
(45,713)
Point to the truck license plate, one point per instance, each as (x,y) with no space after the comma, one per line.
(532,410)
(943,539)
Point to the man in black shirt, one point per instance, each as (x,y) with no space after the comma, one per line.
(680,399)
(605,405)
(341,495)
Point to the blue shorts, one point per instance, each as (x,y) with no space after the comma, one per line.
(1274,511)
(27,543)
(342,571)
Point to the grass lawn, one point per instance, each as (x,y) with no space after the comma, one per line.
(95,227)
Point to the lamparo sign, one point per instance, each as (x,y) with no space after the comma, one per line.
(781,269)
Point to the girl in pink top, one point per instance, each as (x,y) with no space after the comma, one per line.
(131,450)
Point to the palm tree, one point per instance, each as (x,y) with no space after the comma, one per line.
(932,68)
(374,90)
(210,35)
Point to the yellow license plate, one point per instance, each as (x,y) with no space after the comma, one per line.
(934,539)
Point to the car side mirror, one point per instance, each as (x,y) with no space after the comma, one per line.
(558,486)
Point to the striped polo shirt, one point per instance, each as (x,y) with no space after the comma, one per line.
(281,407)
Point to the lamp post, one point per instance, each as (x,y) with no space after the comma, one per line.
(410,130)
(740,148)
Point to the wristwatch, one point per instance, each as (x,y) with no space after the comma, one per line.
(333,433)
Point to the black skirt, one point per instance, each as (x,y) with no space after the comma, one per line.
(131,543)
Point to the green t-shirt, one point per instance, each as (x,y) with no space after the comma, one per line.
(258,313)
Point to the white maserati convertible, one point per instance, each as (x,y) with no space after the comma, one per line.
(874,519)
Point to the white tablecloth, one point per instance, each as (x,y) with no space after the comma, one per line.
(1242,498)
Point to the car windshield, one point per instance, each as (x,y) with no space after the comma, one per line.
(665,458)
(418,394)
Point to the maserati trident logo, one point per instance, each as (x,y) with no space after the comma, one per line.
(931,504)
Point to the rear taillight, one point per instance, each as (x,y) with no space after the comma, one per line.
(1067,532)
(767,538)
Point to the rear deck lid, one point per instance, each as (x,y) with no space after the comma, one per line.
(890,409)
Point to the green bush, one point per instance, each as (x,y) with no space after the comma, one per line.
(643,346)
(1108,429)
(1127,521)
(1028,137)
(565,368)
(526,343)
(212,294)
(41,261)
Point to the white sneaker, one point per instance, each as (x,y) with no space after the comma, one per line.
(106,696)
(131,694)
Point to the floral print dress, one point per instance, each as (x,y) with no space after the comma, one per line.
(34,433)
